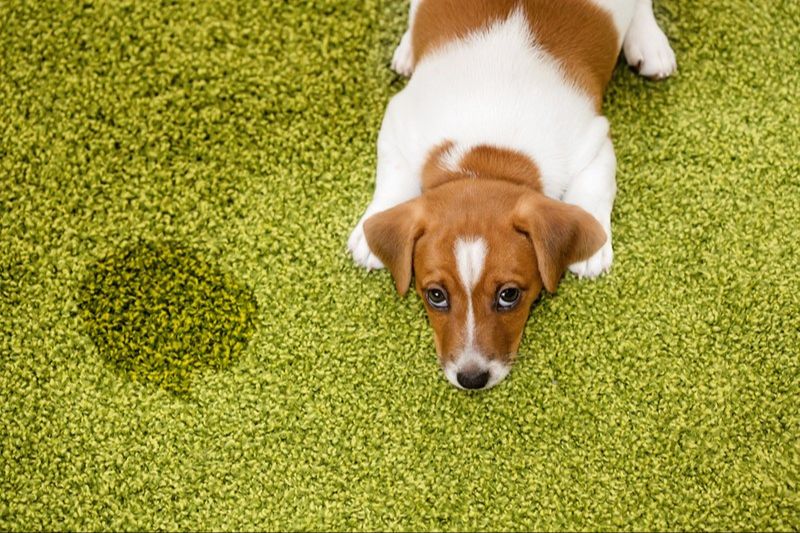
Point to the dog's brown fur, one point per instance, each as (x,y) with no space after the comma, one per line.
(531,240)
(588,59)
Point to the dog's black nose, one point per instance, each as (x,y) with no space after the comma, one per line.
(475,379)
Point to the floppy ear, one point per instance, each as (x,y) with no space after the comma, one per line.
(391,235)
(561,234)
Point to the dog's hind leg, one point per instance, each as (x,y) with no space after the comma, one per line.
(403,58)
(646,48)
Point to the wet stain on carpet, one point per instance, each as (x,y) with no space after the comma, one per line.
(162,314)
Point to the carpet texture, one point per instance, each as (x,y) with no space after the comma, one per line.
(186,345)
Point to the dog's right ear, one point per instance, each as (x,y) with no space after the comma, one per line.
(391,236)
(561,234)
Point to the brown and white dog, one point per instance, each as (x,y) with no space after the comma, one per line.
(496,172)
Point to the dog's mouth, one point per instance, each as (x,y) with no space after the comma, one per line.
(476,372)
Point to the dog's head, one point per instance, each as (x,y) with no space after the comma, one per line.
(480,251)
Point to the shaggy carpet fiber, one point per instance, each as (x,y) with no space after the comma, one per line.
(185,344)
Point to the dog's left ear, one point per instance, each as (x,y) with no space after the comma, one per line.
(391,236)
(561,234)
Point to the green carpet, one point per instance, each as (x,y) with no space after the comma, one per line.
(184,343)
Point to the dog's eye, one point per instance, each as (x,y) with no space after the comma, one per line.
(507,298)
(437,297)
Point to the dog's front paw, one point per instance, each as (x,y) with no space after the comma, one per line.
(648,52)
(359,248)
(596,265)
(403,58)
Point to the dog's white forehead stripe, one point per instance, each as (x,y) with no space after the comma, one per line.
(470,257)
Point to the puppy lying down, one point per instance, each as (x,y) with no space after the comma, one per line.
(496,172)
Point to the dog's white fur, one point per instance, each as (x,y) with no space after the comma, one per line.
(462,93)
(470,257)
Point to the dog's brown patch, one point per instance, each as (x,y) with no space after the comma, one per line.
(482,161)
(578,33)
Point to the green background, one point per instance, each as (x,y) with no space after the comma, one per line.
(237,138)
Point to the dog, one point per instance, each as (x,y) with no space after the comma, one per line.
(495,170)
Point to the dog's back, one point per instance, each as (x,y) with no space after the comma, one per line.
(584,37)
(497,72)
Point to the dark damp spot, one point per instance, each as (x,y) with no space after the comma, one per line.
(162,314)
